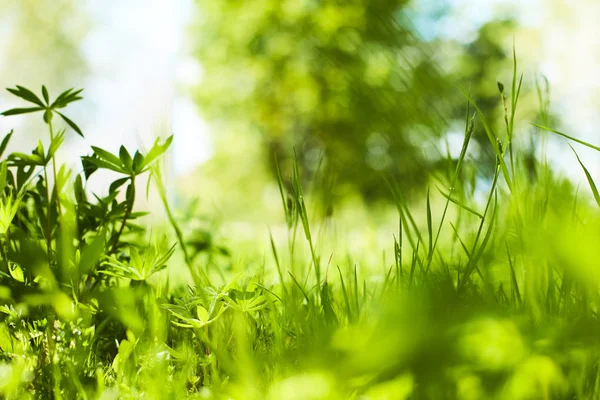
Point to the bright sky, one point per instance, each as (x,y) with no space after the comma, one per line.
(139,64)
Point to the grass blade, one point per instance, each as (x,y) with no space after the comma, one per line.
(589,178)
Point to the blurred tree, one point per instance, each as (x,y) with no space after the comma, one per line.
(347,84)
(42,42)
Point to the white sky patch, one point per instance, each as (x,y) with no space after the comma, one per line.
(138,60)
(191,144)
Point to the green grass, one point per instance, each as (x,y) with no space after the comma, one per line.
(483,297)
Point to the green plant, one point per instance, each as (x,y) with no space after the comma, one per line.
(489,294)
(63,254)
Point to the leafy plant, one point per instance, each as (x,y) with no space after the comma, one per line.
(486,296)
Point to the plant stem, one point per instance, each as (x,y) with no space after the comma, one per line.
(130,201)
(48,220)
(54,171)
(163,197)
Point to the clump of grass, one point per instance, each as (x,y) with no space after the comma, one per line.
(483,299)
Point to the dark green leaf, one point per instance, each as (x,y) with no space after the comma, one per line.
(108,157)
(26,94)
(66,97)
(24,173)
(117,184)
(130,193)
(79,191)
(45,94)
(5,142)
(429,224)
(89,165)
(138,162)
(3,174)
(138,214)
(91,254)
(57,102)
(72,124)
(100,163)
(17,111)
(71,97)
(126,158)
(22,159)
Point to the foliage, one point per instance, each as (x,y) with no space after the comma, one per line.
(492,292)
(43,41)
(349,86)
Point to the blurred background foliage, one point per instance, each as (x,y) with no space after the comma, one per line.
(360,90)
(41,42)
(346,85)
(352,87)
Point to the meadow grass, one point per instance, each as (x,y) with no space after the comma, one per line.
(490,296)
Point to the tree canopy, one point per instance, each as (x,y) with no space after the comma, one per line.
(349,86)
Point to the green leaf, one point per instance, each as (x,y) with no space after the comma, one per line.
(89,165)
(23,159)
(589,178)
(117,184)
(130,193)
(39,149)
(4,143)
(26,94)
(55,143)
(126,159)
(330,316)
(71,97)
(16,272)
(58,101)
(17,111)
(45,94)
(107,156)
(72,124)
(138,162)
(66,97)
(429,224)
(156,151)
(79,191)
(91,254)
(3,174)
(100,163)
(202,314)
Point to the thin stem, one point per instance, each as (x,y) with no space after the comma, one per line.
(48,220)
(163,198)
(130,201)
(54,171)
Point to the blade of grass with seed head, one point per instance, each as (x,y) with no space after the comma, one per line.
(498,150)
